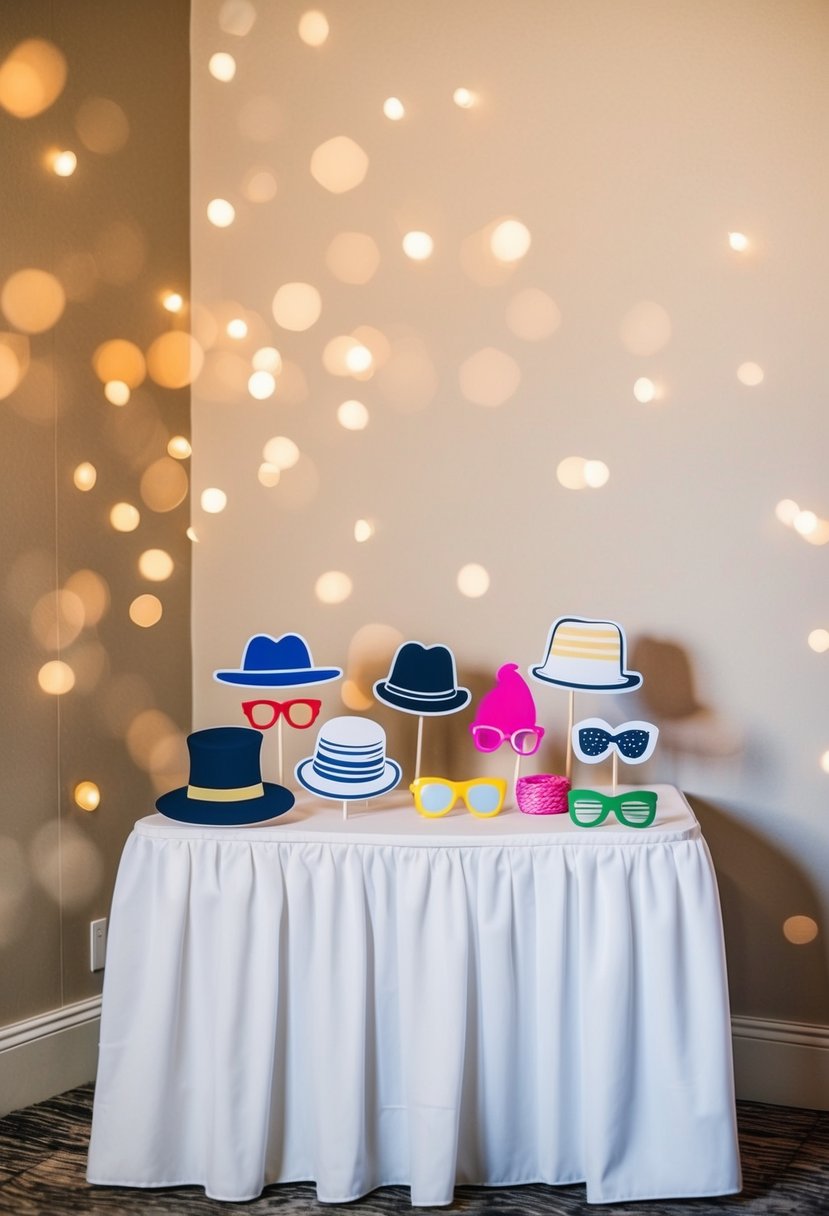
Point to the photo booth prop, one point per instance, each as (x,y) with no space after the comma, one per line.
(422,680)
(587,654)
(633,742)
(634,809)
(225,787)
(283,662)
(507,714)
(483,797)
(349,762)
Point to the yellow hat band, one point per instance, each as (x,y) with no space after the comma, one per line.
(240,794)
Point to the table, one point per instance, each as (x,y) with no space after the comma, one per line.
(394,1000)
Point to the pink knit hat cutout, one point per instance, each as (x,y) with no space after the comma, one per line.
(509,705)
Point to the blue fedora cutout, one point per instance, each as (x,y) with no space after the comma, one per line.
(226,787)
(422,680)
(277,663)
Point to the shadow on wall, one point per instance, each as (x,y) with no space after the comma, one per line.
(668,693)
(776,959)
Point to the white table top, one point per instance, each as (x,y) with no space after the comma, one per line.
(393,820)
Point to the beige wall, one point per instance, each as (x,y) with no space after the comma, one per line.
(629,139)
(113,235)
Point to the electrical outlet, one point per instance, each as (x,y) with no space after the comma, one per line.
(97,944)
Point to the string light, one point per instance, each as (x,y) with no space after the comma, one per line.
(64,163)
(87,795)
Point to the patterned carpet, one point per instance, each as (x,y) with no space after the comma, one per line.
(785,1156)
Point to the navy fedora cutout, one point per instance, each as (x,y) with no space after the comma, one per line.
(226,787)
(277,663)
(422,680)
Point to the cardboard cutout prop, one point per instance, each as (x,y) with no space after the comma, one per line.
(434,797)
(633,742)
(283,662)
(226,787)
(349,762)
(586,654)
(422,680)
(507,714)
(634,809)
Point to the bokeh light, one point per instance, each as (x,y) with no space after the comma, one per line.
(353,416)
(221,213)
(369,654)
(394,109)
(750,374)
(489,377)
(473,580)
(237,329)
(339,164)
(281,451)
(510,240)
(596,473)
(237,17)
(175,359)
(363,530)
(313,28)
(464,98)
(222,66)
(93,592)
(787,511)
(117,392)
(85,476)
(146,611)
(358,358)
(333,587)
(192,535)
(800,930)
(179,447)
(57,619)
(645,328)
(353,257)
(120,251)
(644,390)
(267,359)
(56,677)
(87,795)
(532,315)
(173,301)
(14,361)
(336,355)
(32,77)
(261,385)
(259,185)
(213,500)
(818,640)
(824,762)
(805,522)
(124,517)
(164,484)
(64,163)
(570,473)
(409,380)
(66,865)
(296,306)
(268,474)
(119,359)
(102,125)
(155,565)
(32,300)
(418,246)
(738,241)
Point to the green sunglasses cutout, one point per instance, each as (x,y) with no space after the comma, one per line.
(635,809)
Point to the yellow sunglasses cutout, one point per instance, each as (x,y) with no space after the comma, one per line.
(434,797)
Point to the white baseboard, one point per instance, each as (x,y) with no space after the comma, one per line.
(784,1063)
(48,1054)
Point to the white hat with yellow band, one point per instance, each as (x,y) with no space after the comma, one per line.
(588,654)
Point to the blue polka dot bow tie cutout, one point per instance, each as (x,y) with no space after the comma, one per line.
(593,739)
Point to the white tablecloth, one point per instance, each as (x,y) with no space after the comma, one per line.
(393,1000)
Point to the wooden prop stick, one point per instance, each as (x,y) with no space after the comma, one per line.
(345,810)
(419,745)
(568,771)
(515,776)
(615,771)
(279,746)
